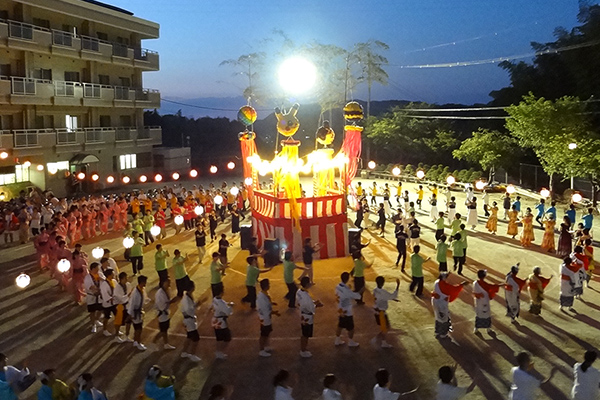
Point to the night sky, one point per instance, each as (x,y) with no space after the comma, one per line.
(196,35)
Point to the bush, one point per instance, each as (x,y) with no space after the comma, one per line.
(463,176)
(476,175)
(409,170)
(433,173)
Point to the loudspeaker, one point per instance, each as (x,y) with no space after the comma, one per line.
(272,249)
(354,239)
(245,236)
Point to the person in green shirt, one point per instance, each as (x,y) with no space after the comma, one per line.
(137,224)
(136,253)
(439,226)
(217,270)
(458,252)
(288,277)
(416,269)
(182,279)
(455,224)
(148,222)
(160,263)
(463,235)
(441,248)
(358,273)
(252,273)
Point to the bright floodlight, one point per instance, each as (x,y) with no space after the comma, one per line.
(577,197)
(128,242)
(23,281)
(479,185)
(178,220)
(175,176)
(98,253)
(27,164)
(199,210)
(395,171)
(248,181)
(2,196)
(63,265)
(510,189)
(52,169)
(218,199)
(545,193)
(155,230)
(213,169)
(81,176)
(234,191)
(297,75)
(572,146)
(143,178)
(230,165)
(193,173)
(420,174)
(371,165)
(450,180)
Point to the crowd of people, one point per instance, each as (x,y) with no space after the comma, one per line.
(110,293)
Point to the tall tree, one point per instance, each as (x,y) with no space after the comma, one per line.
(250,66)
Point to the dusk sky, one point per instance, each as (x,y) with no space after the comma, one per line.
(196,35)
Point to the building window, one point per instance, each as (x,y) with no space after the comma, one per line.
(15,174)
(44,23)
(102,35)
(72,76)
(128,161)
(144,160)
(105,121)
(104,79)
(54,167)
(41,73)
(71,123)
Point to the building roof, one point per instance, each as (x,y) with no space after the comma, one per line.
(110,7)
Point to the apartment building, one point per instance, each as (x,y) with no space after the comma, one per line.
(71,94)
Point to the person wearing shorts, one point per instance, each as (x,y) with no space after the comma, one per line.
(265,311)
(221,311)
(135,309)
(382,297)
(121,298)
(307,312)
(107,289)
(345,296)
(162,302)
(188,309)
(91,285)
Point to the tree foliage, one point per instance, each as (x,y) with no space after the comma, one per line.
(489,148)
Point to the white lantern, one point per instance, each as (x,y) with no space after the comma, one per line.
(510,189)
(395,171)
(110,179)
(126,179)
(98,253)
(230,165)
(175,176)
(40,167)
(420,174)
(248,181)
(371,165)
(234,191)
(450,180)
(143,178)
(572,146)
(158,178)
(179,220)
(155,230)
(193,173)
(128,242)
(213,169)
(199,210)
(27,164)
(23,281)
(577,197)
(218,199)
(479,185)
(545,193)
(4,155)
(63,265)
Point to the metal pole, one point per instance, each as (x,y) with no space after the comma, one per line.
(536,185)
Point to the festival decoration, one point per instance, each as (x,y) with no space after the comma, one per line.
(230,165)
(175,176)
(396,171)
(545,193)
(234,191)
(40,167)
(155,230)
(450,180)
(371,164)
(63,265)
(247,115)
(480,185)
(218,199)
(325,135)
(353,111)
(3,155)
(178,220)
(23,280)
(213,169)
(95,177)
(110,179)
(143,178)
(97,253)
(126,179)
(576,197)
(81,176)
(27,164)
(193,173)
(158,178)
(287,124)
(248,181)
(420,174)
(199,210)
(510,189)
(128,242)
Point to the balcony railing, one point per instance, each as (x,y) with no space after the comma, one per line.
(65,89)
(122,134)
(67,135)
(93,90)
(24,86)
(121,93)
(90,43)
(120,50)
(142,54)
(95,135)
(21,30)
(62,38)
(29,137)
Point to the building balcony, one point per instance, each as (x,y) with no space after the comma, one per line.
(18,90)
(27,37)
(33,141)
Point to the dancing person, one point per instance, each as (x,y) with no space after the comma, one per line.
(537,285)
(217,270)
(512,293)
(565,239)
(472,215)
(451,210)
(329,388)
(527,235)
(588,251)
(107,293)
(442,294)
(483,293)
(381,390)
(288,277)
(420,196)
(148,223)
(308,307)
(135,309)
(182,278)
(458,252)
(345,295)
(307,258)
(188,309)
(569,276)
(414,233)
(91,285)
(121,295)
(221,311)
(136,253)
(382,297)
(513,217)
(252,274)
(492,223)
(441,250)
(524,384)
(433,211)
(200,236)
(162,302)
(540,208)
(586,379)
(439,226)
(265,313)
(358,274)
(381,221)
(86,388)
(548,239)
(416,269)
(401,238)
(160,263)
(447,388)
(507,205)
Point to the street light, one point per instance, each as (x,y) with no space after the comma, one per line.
(572,146)
(81,176)
(396,171)
(40,167)
(577,197)
(450,180)
(420,174)
(371,164)
(510,189)
(545,193)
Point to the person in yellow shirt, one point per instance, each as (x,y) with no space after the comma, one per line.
(148,204)
(359,190)
(399,192)
(173,202)
(420,196)
(135,206)
(374,193)
(162,202)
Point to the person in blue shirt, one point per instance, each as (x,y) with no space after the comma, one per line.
(570,213)
(87,391)
(552,210)
(517,204)
(540,212)
(588,220)
(158,387)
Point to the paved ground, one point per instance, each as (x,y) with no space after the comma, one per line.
(42,326)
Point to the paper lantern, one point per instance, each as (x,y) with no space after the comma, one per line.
(143,178)
(2,196)
(450,180)
(95,177)
(4,155)
(420,174)
(199,210)
(248,181)
(175,176)
(81,176)
(218,199)
(27,164)
(577,197)
(128,242)
(155,230)
(230,165)
(63,265)
(23,281)
(193,173)
(545,193)
(213,169)
(178,219)
(40,167)
(158,177)
(353,111)
(98,253)
(395,171)
(510,189)
(126,179)
(110,179)
(371,165)
(247,115)
(479,185)
(234,191)
(287,124)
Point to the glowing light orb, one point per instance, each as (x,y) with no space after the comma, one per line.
(479,185)
(63,265)
(450,180)
(40,167)
(371,165)
(27,164)
(126,179)
(218,199)
(395,171)
(158,177)
(2,196)
(572,146)
(178,220)
(95,177)
(193,173)
(110,179)
(52,169)
(545,193)
(98,253)
(23,281)
(81,176)
(577,197)
(4,155)
(234,191)
(230,165)
(248,181)
(510,189)
(128,242)
(155,230)
(143,178)
(199,210)
(175,176)
(297,75)
(420,174)
(213,169)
